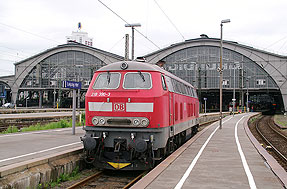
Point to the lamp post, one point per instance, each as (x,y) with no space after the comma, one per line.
(205,99)
(133,28)
(247,94)
(221,71)
(79,67)
(54,92)
(234,99)
(199,87)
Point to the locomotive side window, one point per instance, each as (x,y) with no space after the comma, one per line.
(175,86)
(137,80)
(169,84)
(188,90)
(181,88)
(185,90)
(194,93)
(163,82)
(107,80)
(191,92)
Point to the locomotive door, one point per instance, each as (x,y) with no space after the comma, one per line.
(171,109)
(171,103)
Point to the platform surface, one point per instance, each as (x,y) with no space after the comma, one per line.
(219,158)
(19,147)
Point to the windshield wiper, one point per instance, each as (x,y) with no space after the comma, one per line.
(142,76)
(109,77)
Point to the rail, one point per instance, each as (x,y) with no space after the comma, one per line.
(101,176)
(82,182)
(135,180)
(276,150)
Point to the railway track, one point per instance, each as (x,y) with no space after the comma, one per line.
(109,179)
(273,138)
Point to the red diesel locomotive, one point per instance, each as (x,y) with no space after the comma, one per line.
(136,114)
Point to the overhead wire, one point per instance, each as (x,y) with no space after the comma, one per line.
(282,45)
(144,45)
(7,60)
(15,28)
(17,50)
(276,42)
(117,43)
(129,23)
(5,53)
(169,20)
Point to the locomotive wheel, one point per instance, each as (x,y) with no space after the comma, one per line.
(89,159)
(194,130)
(157,156)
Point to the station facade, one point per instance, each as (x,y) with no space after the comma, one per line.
(249,73)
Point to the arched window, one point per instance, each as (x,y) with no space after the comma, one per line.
(67,65)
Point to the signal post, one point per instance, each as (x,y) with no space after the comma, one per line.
(73,85)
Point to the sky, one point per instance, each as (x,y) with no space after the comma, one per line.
(29,27)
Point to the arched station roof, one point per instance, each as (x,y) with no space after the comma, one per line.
(274,65)
(24,68)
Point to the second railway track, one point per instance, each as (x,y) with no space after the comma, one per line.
(275,141)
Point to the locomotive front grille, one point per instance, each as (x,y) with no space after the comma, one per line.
(118,122)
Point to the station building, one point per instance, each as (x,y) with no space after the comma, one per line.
(249,73)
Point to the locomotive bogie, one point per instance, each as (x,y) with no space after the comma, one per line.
(156,136)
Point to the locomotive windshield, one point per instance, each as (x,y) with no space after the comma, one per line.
(137,80)
(107,81)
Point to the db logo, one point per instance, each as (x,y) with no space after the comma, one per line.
(119,107)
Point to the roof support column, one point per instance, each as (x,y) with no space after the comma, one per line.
(40,99)
(284,97)
(14,91)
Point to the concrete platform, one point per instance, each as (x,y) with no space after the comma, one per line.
(281,121)
(19,147)
(215,158)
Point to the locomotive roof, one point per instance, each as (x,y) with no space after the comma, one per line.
(140,66)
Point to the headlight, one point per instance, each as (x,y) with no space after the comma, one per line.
(95,121)
(136,122)
(102,121)
(145,122)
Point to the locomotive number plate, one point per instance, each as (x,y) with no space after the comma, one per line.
(119,107)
